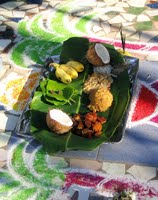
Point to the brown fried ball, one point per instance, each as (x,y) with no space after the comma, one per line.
(100,100)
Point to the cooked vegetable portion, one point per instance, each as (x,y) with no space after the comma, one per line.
(88,125)
(97,80)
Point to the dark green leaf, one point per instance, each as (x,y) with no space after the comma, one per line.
(115,57)
(51,141)
(68,92)
(74,48)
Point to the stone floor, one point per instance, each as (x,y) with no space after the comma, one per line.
(139,19)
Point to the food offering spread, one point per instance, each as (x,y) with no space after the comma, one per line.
(82,99)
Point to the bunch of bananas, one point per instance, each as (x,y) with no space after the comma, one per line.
(67,72)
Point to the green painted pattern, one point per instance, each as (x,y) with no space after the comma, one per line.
(41,43)
(81,25)
(43,195)
(40,167)
(41,49)
(5,175)
(35,49)
(33,52)
(19,51)
(5,187)
(23,194)
(58,26)
(7,183)
(49,49)
(42,186)
(40,33)
(19,165)
(46,180)
(22,30)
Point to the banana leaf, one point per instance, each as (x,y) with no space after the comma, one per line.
(74,48)
(53,142)
(69,141)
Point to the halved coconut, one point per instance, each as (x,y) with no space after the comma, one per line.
(98,55)
(58,121)
(102,52)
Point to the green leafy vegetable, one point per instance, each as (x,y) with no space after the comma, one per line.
(57,93)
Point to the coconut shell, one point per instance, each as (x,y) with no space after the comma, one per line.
(93,58)
(56,126)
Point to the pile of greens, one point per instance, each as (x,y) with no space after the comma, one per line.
(57,93)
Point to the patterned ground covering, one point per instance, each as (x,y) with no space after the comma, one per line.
(32,174)
(26,170)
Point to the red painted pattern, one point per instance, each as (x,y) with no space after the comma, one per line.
(86,180)
(145,105)
(154,48)
(155,119)
(143,191)
(117,185)
(129,45)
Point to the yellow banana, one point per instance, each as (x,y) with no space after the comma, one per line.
(79,67)
(62,76)
(69,70)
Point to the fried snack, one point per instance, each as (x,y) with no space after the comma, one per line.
(100,100)
(97,80)
(88,125)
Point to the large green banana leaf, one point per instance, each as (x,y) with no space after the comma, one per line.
(39,108)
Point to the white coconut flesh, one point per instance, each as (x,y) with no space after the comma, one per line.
(102,52)
(60,117)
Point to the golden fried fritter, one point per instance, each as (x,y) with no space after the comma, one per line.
(100,100)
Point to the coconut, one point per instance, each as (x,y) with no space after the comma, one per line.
(98,55)
(58,121)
